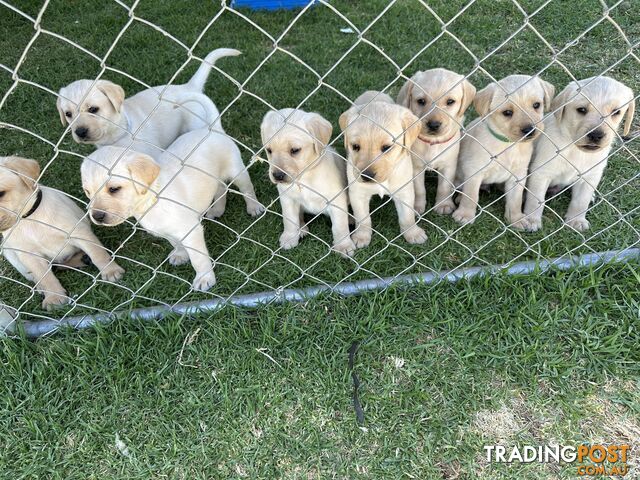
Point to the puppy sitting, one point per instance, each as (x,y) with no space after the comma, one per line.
(497,147)
(439,98)
(377,137)
(576,145)
(100,115)
(169,197)
(42,226)
(310,176)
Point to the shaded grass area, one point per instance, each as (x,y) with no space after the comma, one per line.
(247,252)
(444,369)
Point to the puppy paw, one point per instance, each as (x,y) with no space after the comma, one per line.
(533,224)
(445,207)
(579,224)
(361,238)
(254,208)
(464,217)
(55,300)
(112,272)
(178,257)
(215,212)
(304,230)
(288,241)
(415,235)
(204,282)
(345,247)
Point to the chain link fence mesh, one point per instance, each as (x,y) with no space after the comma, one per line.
(319,58)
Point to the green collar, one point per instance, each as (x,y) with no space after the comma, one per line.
(502,138)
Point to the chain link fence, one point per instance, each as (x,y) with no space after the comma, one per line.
(319,59)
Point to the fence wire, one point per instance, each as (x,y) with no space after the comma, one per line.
(248,257)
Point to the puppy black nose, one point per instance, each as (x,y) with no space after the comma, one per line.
(433,125)
(528,130)
(279,175)
(82,132)
(98,216)
(368,175)
(596,135)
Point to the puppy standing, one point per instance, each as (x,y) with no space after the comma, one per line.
(439,98)
(168,197)
(497,147)
(576,145)
(102,116)
(42,226)
(377,137)
(310,176)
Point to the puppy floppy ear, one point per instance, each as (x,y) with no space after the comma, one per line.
(405,94)
(63,117)
(115,93)
(412,127)
(143,171)
(266,130)
(344,121)
(321,130)
(27,170)
(468,94)
(558,103)
(549,92)
(628,117)
(482,100)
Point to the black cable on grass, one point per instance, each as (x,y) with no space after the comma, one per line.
(356,384)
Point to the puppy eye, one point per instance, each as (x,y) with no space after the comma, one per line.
(536,105)
(508,113)
(451,101)
(386,148)
(113,190)
(2,193)
(93,109)
(269,151)
(421,102)
(582,110)
(68,114)
(294,151)
(616,112)
(355,147)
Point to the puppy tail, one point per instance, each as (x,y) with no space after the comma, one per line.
(200,78)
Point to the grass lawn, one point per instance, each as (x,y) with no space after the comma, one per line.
(266,394)
(337,67)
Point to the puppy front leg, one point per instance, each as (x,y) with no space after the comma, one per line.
(243,182)
(198,253)
(361,236)
(219,202)
(339,214)
(100,256)
(291,218)
(420,203)
(537,186)
(581,196)
(514,188)
(444,194)
(39,270)
(403,200)
(466,212)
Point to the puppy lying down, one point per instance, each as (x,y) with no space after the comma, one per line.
(41,226)
(310,176)
(168,197)
(100,115)
(377,136)
(576,145)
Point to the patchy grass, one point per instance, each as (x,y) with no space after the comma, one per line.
(247,252)
(444,370)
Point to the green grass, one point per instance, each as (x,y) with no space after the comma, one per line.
(267,394)
(253,261)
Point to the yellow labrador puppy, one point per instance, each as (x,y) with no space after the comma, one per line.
(41,226)
(377,135)
(497,147)
(169,197)
(439,98)
(100,114)
(311,177)
(576,144)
